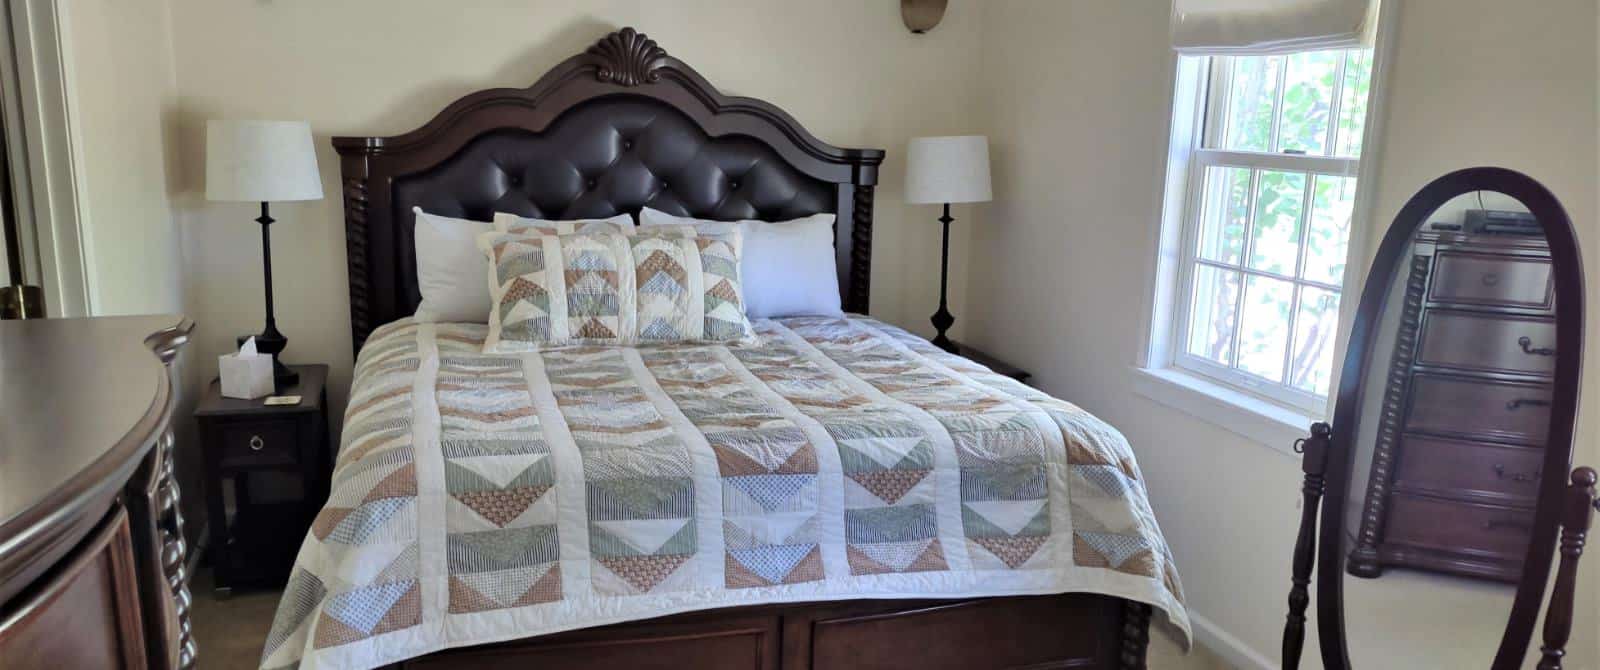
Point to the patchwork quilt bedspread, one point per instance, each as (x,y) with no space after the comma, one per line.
(485,497)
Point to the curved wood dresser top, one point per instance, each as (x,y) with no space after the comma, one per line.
(82,401)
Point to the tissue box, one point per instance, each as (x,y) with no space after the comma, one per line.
(247,374)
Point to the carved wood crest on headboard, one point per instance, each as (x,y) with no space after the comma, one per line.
(461,161)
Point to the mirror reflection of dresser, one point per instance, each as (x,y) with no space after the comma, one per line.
(1459,443)
(1446,466)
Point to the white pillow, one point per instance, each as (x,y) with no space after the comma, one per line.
(451,270)
(788,267)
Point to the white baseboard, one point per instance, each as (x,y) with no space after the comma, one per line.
(1229,648)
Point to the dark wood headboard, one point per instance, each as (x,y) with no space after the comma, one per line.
(613,129)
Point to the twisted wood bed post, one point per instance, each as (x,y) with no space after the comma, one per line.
(1575,519)
(1135,635)
(1313,462)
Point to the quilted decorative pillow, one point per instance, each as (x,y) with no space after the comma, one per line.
(788,267)
(450,268)
(610,289)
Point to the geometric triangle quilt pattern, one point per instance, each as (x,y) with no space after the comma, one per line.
(480,496)
(769,496)
(607,288)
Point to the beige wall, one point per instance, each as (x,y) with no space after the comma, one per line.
(1077,100)
(848,70)
(1077,95)
(122,93)
(122,96)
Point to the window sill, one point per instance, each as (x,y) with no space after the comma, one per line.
(1260,421)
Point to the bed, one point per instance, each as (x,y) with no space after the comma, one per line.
(842,494)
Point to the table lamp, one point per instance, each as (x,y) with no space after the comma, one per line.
(947,170)
(263,161)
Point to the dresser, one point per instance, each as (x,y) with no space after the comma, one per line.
(1461,433)
(92,556)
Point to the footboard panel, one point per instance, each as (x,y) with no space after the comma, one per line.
(1060,631)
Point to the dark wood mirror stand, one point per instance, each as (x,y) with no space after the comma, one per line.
(1562,507)
(1575,517)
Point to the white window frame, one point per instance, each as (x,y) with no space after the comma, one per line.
(1218,76)
(1263,417)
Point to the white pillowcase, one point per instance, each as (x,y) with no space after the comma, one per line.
(788,267)
(451,269)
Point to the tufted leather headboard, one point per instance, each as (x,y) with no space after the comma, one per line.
(618,127)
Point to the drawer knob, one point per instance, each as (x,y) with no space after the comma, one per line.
(1500,473)
(256,443)
(1519,403)
(1527,347)
(1491,279)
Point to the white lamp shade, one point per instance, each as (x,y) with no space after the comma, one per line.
(261,161)
(948,169)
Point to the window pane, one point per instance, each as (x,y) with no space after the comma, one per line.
(1216,294)
(1251,94)
(1307,101)
(1264,328)
(1353,102)
(1327,240)
(1279,198)
(1226,213)
(1312,364)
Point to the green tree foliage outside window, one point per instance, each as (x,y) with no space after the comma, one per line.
(1272,242)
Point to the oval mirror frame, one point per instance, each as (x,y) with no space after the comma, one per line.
(1567,275)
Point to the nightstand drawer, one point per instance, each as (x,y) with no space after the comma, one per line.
(257,443)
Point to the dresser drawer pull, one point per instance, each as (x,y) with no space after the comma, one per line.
(1520,403)
(1491,279)
(256,443)
(1500,473)
(1493,524)
(1528,348)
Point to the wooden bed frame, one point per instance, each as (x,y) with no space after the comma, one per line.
(610,130)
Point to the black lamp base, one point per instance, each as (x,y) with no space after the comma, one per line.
(274,343)
(942,319)
(270,341)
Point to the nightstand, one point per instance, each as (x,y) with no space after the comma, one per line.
(1000,367)
(268,469)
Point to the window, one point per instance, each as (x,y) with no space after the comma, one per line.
(1269,192)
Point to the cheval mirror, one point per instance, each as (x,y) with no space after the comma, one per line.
(1446,466)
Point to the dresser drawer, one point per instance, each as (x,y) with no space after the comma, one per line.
(1479,408)
(85,612)
(1454,467)
(1502,532)
(1488,342)
(1492,280)
(259,443)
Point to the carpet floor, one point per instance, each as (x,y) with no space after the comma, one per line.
(229,632)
